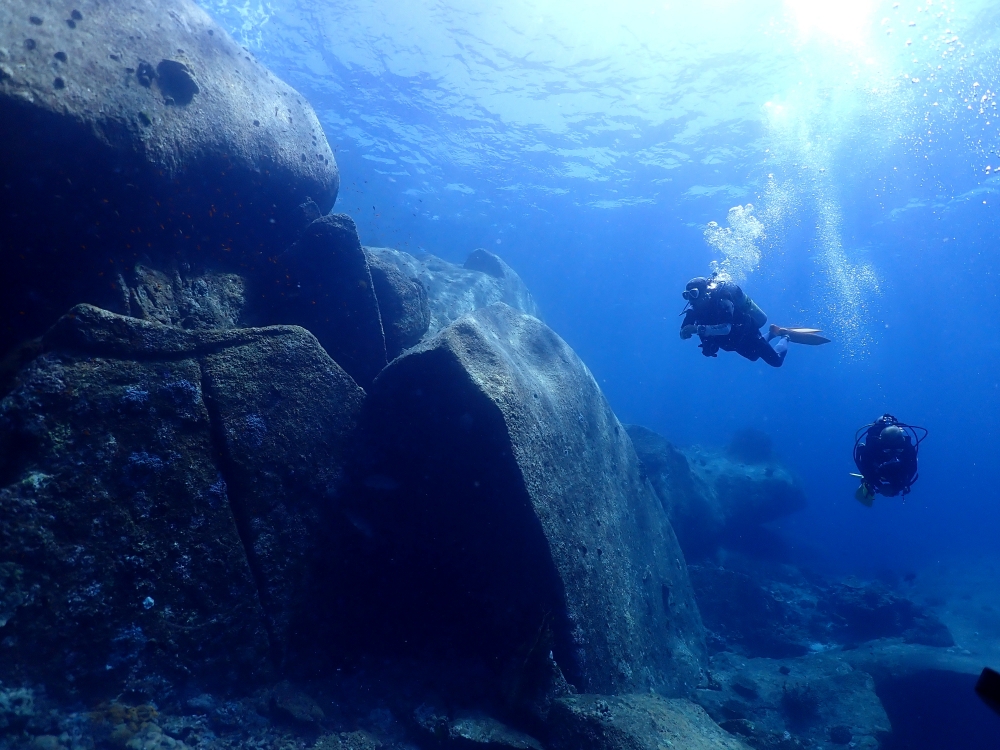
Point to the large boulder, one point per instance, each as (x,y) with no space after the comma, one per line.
(324,284)
(500,512)
(160,493)
(635,722)
(776,611)
(453,290)
(402,302)
(140,131)
(811,701)
(718,498)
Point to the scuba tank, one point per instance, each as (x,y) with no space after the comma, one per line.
(758,316)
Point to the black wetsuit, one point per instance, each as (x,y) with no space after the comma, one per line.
(886,470)
(726,304)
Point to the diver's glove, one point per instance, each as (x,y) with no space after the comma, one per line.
(688,331)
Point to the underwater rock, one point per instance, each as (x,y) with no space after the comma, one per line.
(287,704)
(865,611)
(160,138)
(402,303)
(159,497)
(501,514)
(714,500)
(17,707)
(323,283)
(209,300)
(743,615)
(471,732)
(758,608)
(635,722)
(806,701)
(357,740)
(454,291)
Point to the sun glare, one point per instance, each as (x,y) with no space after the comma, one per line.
(842,20)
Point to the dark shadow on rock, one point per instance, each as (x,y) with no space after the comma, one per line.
(742,615)
(498,513)
(176,82)
(323,283)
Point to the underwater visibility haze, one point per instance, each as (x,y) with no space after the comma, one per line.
(844,151)
(343,403)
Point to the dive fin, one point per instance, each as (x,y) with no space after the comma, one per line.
(809,336)
(864,497)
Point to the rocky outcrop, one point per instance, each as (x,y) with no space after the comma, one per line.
(501,514)
(140,132)
(717,498)
(775,611)
(748,616)
(830,644)
(813,701)
(471,732)
(323,283)
(454,291)
(206,301)
(161,492)
(402,302)
(635,722)
(864,611)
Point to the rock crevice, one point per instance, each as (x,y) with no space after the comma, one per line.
(127,425)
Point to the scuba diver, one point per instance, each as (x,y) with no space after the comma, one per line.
(885,453)
(726,318)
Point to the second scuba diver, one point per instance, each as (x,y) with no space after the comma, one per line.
(724,317)
(885,453)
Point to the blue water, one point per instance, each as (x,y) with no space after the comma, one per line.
(591,143)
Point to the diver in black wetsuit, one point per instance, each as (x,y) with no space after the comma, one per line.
(725,318)
(886,456)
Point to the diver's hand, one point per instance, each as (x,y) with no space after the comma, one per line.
(688,331)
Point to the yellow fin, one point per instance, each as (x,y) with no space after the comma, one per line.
(862,496)
(808,336)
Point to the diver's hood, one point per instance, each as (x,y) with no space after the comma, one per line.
(696,288)
(892,436)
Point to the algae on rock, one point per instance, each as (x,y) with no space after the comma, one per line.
(499,504)
(157,502)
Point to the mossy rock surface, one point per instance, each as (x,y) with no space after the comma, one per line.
(159,496)
(635,722)
(503,515)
